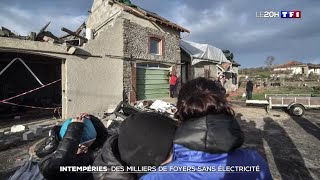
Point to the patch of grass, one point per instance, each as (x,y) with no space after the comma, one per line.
(285,90)
(259,95)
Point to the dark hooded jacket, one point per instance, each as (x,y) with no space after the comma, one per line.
(65,154)
(110,156)
(211,141)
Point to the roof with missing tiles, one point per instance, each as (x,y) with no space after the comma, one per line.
(150,16)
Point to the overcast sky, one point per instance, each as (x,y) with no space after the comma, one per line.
(227,24)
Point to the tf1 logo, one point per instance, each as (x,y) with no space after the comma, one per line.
(275,14)
(290,14)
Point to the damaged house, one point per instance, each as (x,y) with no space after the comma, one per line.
(126,54)
(204,60)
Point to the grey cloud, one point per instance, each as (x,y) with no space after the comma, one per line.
(227,24)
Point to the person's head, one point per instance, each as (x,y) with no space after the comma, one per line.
(88,134)
(146,139)
(200,97)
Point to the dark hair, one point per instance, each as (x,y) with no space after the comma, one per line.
(200,97)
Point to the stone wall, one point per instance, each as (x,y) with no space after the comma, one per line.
(198,70)
(136,44)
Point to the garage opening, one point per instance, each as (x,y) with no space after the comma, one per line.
(30,86)
(152,81)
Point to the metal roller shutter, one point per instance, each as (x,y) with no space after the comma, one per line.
(152,83)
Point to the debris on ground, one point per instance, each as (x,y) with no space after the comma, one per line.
(17,128)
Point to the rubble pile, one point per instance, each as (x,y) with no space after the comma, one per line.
(123,110)
(159,106)
(72,38)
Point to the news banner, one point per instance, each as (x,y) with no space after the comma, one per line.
(160,169)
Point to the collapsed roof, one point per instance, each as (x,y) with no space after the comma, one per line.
(203,52)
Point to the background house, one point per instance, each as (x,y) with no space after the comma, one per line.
(313,68)
(290,68)
(204,60)
(295,68)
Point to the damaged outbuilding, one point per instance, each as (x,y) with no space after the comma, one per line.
(17,78)
(122,53)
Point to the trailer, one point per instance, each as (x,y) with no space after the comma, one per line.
(295,104)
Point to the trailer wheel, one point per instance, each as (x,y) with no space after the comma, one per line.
(297,110)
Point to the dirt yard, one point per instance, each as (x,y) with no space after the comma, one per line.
(291,145)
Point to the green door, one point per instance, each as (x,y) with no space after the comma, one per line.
(152,83)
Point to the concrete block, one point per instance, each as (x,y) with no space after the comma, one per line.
(27,135)
(37,130)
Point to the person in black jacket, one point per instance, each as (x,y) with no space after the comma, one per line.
(52,141)
(143,139)
(249,88)
(209,136)
(79,137)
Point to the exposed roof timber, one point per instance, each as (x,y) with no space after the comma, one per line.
(151,16)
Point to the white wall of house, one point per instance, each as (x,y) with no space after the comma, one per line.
(314,70)
(295,70)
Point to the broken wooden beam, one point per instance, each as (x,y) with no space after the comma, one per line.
(74,34)
(44,27)
(78,31)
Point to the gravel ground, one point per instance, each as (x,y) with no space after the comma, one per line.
(291,145)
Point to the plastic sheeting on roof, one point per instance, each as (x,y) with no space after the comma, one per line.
(203,52)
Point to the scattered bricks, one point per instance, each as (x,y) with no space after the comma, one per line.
(37,130)
(27,135)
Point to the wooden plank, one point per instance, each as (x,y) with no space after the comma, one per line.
(83,25)
(74,34)
(44,27)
